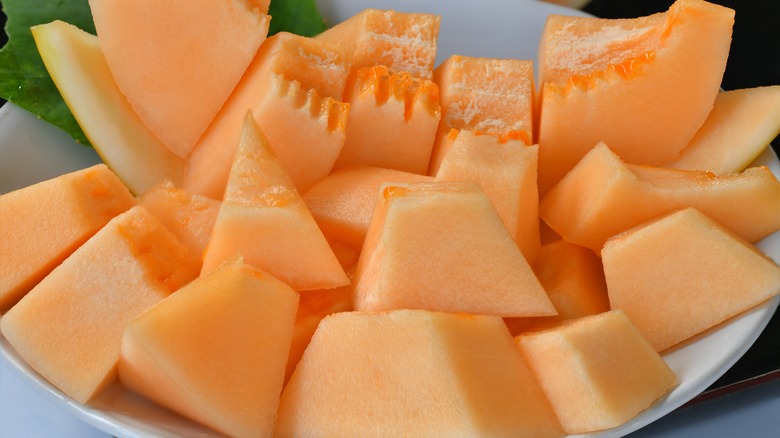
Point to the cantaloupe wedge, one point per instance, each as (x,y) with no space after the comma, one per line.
(643,85)
(69,327)
(177,61)
(42,224)
(393,118)
(441,246)
(506,171)
(487,95)
(264,219)
(602,196)
(401,41)
(741,125)
(597,371)
(413,373)
(216,351)
(78,68)
(684,273)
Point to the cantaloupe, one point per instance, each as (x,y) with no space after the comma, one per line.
(643,86)
(69,327)
(216,350)
(177,61)
(413,373)
(441,246)
(684,273)
(42,224)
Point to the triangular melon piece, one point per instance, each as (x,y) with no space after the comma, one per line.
(441,246)
(264,218)
(177,61)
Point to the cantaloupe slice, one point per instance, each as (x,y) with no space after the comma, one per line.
(598,371)
(69,327)
(78,68)
(216,351)
(401,41)
(643,86)
(741,125)
(393,118)
(413,373)
(680,275)
(264,219)
(441,246)
(506,171)
(603,196)
(294,87)
(42,224)
(177,61)
(487,95)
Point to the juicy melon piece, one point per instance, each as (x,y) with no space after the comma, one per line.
(264,219)
(42,224)
(597,371)
(441,246)
(174,74)
(643,86)
(393,118)
(401,41)
(413,373)
(602,196)
(69,327)
(684,273)
(236,321)
(486,95)
(741,125)
(78,68)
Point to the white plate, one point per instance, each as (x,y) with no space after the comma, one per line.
(31,151)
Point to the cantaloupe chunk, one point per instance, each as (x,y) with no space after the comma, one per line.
(69,327)
(741,125)
(294,87)
(177,61)
(401,41)
(393,118)
(441,246)
(643,86)
(598,371)
(506,171)
(684,273)
(42,224)
(602,196)
(413,373)
(487,95)
(216,351)
(343,202)
(264,219)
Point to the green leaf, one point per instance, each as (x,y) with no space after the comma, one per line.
(300,17)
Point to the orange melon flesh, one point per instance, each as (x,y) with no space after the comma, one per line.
(42,224)
(236,321)
(413,373)
(487,95)
(401,41)
(343,202)
(643,86)
(69,327)
(741,125)
(441,246)
(264,219)
(684,273)
(506,172)
(598,371)
(393,118)
(294,87)
(602,196)
(166,41)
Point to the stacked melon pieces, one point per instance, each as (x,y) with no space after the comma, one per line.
(332,236)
